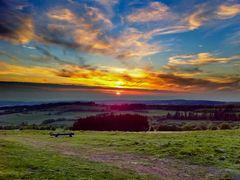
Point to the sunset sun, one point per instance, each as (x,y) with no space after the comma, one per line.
(118,93)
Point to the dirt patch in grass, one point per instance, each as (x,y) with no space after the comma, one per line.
(164,168)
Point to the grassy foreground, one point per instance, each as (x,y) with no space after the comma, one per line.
(30,155)
(19,162)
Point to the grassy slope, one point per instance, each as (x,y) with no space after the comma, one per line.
(21,162)
(213,148)
(36,117)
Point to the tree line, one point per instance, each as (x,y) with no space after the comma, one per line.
(216,115)
(112,122)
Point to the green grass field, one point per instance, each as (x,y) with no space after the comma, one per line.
(37,117)
(118,155)
(70,113)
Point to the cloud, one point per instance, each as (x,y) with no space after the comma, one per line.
(196,70)
(171,29)
(226,11)
(105,76)
(186,70)
(58,74)
(83,36)
(88,32)
(208,12)
(93,16)
(197,18)
(29,47)
(15,25)
(197,84)
(133,44)
(111,77)
(163,20)
(98,17)
(176,22)
(18,73)
(80,33)
(66,28)
(92,30)
(62,14)
(150,80)
(199,59)
(154,12)
(169,22)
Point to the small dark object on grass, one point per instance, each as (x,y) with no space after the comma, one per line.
(56,134)
(222,158)
(237,161)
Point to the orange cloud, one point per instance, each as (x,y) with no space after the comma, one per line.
(226,11)
(111,77)
(207,12)
(62,14)
(10,72)
(199,59)
(93,16)
(154,12)
(133,44)
(199,70)
(90,38)
(197,18)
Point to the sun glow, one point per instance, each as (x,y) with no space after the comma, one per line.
(118,93)
(119,84)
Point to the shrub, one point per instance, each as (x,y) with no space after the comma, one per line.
(169,127)
(225,126)
(213,127)
(187,127)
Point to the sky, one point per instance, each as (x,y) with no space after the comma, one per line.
(119,49)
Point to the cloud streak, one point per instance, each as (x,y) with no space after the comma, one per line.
(200,59)
(170,22)
(226,11)
(154,12)
(208,12)
(202,71)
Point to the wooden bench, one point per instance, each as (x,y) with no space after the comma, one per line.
(70,134)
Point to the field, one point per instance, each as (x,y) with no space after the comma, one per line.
(37,117)
(63,115)
(33,154)
(160,117)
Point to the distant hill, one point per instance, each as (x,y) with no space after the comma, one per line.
(13,104)
(166,102)
(118,102)
(17,103)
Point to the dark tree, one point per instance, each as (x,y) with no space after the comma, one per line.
(111,122)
